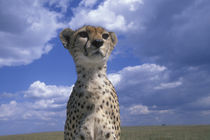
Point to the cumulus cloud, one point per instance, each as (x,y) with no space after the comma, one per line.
(47,104)
(40,90)
(113,15)
(40,108)
(139,109)
(175,33)
(202,103)
(88,3)
(114,78)
(39,102)
(131,76)
(168,85)
(6,95)
(25,30)
(144,82)
(8,110)
(62,5)
(150,94)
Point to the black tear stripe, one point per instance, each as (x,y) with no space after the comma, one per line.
(74,41)
(85,47)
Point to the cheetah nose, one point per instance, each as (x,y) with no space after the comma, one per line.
(98,43)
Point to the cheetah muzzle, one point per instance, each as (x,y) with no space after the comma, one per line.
(93,107)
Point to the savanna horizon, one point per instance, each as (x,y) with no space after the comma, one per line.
(179,132)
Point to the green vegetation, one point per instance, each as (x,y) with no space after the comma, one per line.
(135,133)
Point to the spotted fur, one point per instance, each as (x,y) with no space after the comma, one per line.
(93,109)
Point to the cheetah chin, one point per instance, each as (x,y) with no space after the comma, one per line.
(93,108)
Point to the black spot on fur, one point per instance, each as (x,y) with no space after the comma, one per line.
(92,107)
(107,135)
(107,103)
(88,107)
(105,83)
(82,137)
(81,94)
(101,106)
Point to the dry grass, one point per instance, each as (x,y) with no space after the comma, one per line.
(135,133)
(166,133)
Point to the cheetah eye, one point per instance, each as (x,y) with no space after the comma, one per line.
(105,36)
(83,34)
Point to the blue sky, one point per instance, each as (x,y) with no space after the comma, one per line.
(160,66)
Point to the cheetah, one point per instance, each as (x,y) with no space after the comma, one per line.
(93,108)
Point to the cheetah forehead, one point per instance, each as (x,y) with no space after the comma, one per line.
(92,30)
(95,29)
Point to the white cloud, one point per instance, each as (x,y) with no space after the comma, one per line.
(153,68)
(164,111)
(62,4)
(40,101)
(42,115)
(88,3)
(139,109)
(203,102)
(138,97)
(26,27)
(47,104)
(115,15)
(168,85)
(114,78)
(40,90)
(145,74)
(8,110)
(145,78)
(6,95)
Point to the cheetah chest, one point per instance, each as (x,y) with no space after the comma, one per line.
(93,110)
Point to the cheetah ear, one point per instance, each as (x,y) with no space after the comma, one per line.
(114,38)
(65,37)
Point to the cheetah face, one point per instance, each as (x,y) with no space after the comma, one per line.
(89,44)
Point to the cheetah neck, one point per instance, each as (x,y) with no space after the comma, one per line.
(91,74)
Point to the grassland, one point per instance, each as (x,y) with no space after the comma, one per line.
(135,133)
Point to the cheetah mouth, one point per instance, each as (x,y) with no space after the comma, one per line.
(98,53)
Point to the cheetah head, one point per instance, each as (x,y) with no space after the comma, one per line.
(89,45)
